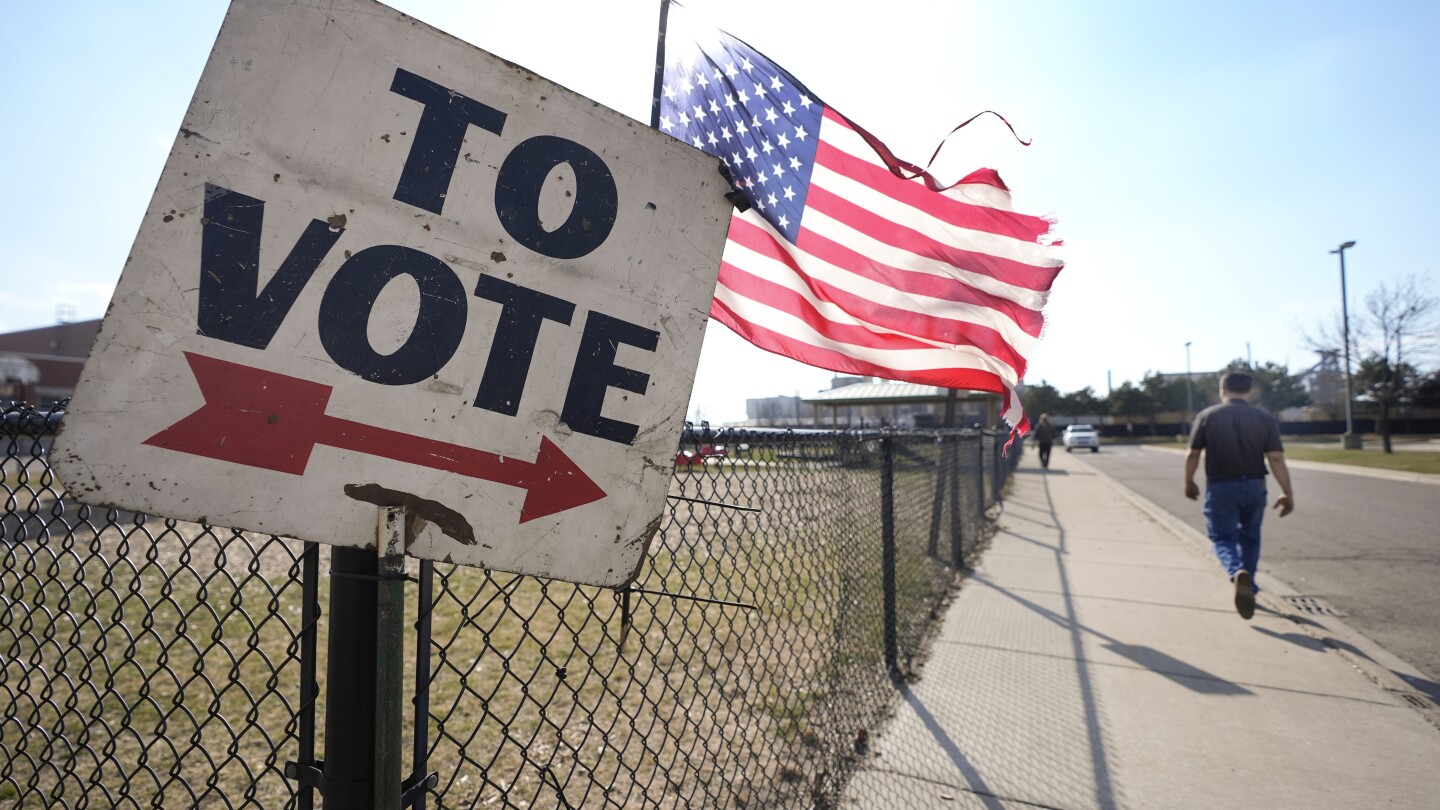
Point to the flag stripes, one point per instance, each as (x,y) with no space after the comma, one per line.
(851,259)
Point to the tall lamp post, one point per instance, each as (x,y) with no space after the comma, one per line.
(1189,392)
(1351,439)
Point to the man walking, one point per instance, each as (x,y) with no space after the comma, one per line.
(1237,439)
(1045,437)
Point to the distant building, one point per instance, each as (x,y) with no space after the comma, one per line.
(776,412)
(904,405)
(55,353)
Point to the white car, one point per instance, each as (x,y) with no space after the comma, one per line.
(1080,436)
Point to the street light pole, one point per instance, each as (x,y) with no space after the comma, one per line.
(1351,439)
(1189,392)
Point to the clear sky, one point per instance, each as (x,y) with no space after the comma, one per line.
(1201,158)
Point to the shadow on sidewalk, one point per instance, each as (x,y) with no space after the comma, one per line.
(1425,687)
(973,779)
(1007,726)
(1187,675)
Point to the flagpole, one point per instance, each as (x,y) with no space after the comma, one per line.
(659,65)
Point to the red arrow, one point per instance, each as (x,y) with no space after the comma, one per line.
(262,419)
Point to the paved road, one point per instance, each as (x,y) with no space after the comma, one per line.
(1369,547)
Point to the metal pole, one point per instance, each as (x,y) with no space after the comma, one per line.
(1351,441)
(1189,392)
(937,507)
(981,505)
(310,623)
(350,681)
(957,541)
(659,65)
(887,549)
(389,655)
(420,754)
(996,450)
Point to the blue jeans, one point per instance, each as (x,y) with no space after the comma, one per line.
(1233,511)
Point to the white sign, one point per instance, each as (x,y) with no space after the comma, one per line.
(383,267)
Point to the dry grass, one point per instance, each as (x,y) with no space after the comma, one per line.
(157,665)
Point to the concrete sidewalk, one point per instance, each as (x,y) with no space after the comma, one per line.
(1095,660)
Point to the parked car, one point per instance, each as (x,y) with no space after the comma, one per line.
(697,457)
(1080,436)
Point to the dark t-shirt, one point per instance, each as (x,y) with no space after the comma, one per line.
(1235,436)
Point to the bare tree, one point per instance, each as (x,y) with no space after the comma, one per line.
(1402,321)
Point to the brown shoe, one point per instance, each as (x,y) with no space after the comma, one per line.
(1244,594)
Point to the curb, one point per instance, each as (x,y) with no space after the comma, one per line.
(1381,667)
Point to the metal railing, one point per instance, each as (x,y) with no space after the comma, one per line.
(147,662)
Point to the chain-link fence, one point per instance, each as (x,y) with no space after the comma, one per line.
(147,662)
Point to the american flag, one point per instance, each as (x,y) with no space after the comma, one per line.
(849,258)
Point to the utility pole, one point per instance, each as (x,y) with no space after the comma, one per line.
(1189,392)
(1351,439)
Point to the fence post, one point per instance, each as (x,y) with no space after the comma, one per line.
(980,474)
(937,508)
(420,751)
(957,540)
(310,624)
(999,451)
(389,655)
(887,547)
(350,681)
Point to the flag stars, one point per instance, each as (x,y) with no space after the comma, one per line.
(725,134)
(696,141)
(730,70)
(784,222)
(685,87)
(684,119)
(805,101)
(760,91)
(714,108)
(750,154)
(773,199)
(800,133)
(735,158)
(729,102)
(770,115)
(745,64)
(741,128)
(789,193)
(744,97)
(666,124)
(794,164)
(782,141)
(788,109)
(766,147)
(777,171)
(711,139)
(699,113)
(701,80)
(775,83)
(762,178)
(670,92)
